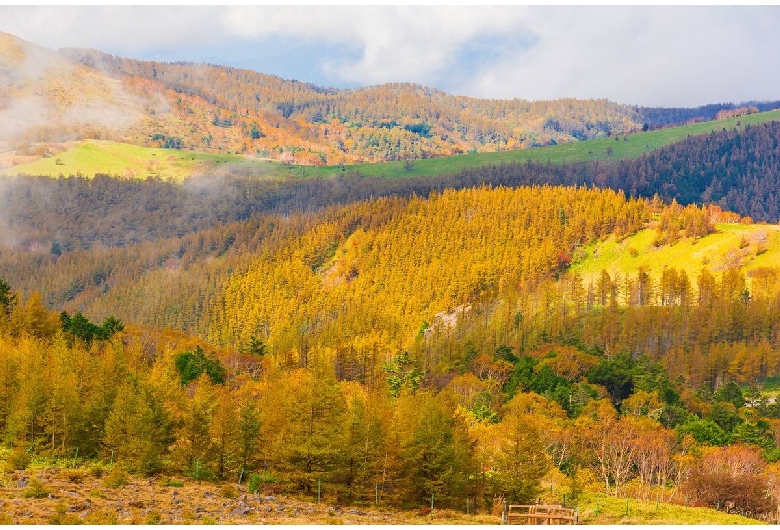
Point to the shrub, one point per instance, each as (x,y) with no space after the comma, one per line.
(101,517)
(62,517)
(116,479)
(257,481)
(18,460)
(228,491)
(35,490)
(97,470)
(76,476)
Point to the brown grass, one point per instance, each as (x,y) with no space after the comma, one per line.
(79,497)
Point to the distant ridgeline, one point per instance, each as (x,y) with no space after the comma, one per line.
(665,117)
(295,122)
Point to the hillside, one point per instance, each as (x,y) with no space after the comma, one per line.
(46,98)
(387,122)
(121,159)
(85,94)
(229,282)
(407,348)
(737,169)
(127,161)
(746,247)
(625,147)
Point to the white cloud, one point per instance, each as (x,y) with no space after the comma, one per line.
(131,28)
(652,56)
(644,55)
(396,43)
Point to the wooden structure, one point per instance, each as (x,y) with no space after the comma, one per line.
(539,514)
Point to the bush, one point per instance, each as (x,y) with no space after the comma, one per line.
(35,490)
(76,476)
(97,470)
(116,479)
(18,460)
(173,483)
(228,492)
(257,481)
(101,517)
(62,517)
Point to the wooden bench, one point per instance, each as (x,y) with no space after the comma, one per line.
(539,514)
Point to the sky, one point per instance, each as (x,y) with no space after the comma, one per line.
(651,56)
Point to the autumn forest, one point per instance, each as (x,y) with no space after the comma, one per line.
(464,337)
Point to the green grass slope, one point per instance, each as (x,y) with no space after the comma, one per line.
(748,247)
(635,146)
(97,156)
(600,509)
(132,161)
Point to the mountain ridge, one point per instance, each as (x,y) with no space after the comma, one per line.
(228,110)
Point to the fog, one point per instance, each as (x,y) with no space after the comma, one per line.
(47,97)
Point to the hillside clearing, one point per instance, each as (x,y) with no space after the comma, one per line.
(133,161)
(747,247)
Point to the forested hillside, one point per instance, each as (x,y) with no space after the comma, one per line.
(664,116)
(739,170)
(408,348)
(387,122)
(50,99)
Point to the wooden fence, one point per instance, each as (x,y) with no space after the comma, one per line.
(539,514)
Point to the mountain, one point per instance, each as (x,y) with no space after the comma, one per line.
(78,93)
(45,97)
(386,122)
(391,121)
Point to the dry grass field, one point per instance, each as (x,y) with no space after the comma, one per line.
(80,496)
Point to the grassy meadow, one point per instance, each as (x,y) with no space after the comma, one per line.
(601,509)
(748,246)
(133,161)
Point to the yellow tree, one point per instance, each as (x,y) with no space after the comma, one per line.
(138,429)
(519,460)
